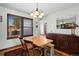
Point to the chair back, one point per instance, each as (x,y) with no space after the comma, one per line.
(24,47)
(29,45)
(22,41)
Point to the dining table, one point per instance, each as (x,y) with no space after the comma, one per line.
(41,42)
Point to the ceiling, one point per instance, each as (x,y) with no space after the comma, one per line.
(46,7)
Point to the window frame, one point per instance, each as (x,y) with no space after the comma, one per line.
(21,26)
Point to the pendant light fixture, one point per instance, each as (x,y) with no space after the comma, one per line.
(37,13)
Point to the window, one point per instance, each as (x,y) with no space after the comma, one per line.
(18,26)
(27,27)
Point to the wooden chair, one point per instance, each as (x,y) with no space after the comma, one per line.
(23,45)
(29,48)
(32,49)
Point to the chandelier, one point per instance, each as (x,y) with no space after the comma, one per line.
(37,13)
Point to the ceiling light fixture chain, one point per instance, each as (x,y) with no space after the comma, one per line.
(37,6)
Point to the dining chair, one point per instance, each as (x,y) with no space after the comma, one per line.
(32,49)
(29,49)
(24,49)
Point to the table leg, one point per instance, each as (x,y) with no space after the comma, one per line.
(43,51)
(51,51)
(51,46)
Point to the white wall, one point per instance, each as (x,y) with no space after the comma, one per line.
(4,43)
(35,30)
(51,20)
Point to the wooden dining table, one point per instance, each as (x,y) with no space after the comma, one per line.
(39,41)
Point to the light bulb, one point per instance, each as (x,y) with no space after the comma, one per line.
(42,14)
(36,13)
(32,14)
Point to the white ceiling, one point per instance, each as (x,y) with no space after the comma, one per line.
(46,7)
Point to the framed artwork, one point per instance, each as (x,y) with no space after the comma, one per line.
(66,23)
(0,18)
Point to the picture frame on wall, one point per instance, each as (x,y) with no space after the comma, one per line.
(66,23)
(0,18)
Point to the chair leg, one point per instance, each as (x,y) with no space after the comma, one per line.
(24,53)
